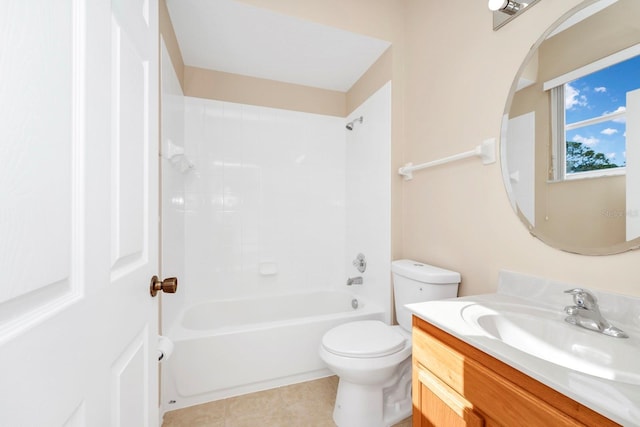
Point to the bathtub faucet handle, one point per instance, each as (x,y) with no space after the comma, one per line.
(360,263)
(354,281)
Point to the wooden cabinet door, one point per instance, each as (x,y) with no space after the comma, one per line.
(441,406)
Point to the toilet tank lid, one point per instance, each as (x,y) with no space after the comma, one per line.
(424,272)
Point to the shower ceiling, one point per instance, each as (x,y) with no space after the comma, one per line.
(233,37)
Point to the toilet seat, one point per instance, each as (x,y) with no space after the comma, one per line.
(363,339)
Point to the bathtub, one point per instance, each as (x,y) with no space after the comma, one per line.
(224,348)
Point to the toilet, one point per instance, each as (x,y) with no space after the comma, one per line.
(373,359)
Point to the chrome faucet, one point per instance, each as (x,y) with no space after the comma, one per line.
(586,314)
(354,281)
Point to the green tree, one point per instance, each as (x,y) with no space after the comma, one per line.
(581,158)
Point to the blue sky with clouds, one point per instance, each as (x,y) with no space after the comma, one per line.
(600,93)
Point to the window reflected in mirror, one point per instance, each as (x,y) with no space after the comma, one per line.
(589,130)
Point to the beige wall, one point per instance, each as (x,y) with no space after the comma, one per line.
(210,84)
(459,72)
(171,42)
(593,44)
(375,77)
(572,212)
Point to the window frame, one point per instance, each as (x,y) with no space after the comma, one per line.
(555,87)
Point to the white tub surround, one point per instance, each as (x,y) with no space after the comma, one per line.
(173,185)
(611,387)
(265,204)
(368,197)
(230,347)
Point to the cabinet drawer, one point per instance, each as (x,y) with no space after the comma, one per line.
(443,406)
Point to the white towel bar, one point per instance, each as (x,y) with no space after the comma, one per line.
(486,151)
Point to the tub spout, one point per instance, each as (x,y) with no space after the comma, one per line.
(354,281)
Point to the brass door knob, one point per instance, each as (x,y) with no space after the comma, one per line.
(168,285)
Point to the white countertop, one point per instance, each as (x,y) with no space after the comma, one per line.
(619,401)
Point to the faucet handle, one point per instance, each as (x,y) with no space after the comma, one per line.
(582,298)
(571,310)
(360,263)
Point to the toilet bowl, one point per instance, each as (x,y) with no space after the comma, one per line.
(373,359)
(367,366)
(353,352)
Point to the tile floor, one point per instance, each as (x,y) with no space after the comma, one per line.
(308,404)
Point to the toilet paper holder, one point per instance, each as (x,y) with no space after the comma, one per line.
(165,348)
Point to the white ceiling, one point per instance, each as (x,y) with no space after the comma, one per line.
(233,37)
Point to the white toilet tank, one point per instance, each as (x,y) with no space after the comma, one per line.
(416,282)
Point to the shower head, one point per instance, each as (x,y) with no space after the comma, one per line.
(352,122)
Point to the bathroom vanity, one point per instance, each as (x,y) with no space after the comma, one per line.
(455,384)
(511,359)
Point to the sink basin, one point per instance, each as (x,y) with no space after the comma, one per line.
(545,335)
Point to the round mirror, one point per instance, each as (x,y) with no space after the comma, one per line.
(571,132)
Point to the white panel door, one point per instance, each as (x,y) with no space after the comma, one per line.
(520,140)
(78,212)
(633,165)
